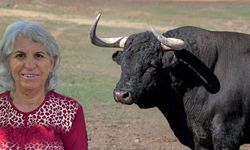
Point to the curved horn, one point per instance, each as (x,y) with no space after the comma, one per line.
(105,42)
(169,43)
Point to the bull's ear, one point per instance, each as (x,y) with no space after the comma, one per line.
(209,79)
(117,57)
(168,59)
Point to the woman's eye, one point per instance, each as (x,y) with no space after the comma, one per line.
(39,56)
(19,55)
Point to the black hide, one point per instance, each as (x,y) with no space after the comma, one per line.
(202,90)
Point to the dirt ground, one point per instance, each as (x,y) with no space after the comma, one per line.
(136,129)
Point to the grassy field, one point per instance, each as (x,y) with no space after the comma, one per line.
(88,73)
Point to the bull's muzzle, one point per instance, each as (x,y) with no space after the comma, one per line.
(123,97)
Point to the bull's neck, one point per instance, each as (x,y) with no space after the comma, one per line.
(174,112)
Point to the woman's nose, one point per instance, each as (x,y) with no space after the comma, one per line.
(29,63)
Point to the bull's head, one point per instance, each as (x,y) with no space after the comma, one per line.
(146,62)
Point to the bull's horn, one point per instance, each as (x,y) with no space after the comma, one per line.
(169,43)
(105,42)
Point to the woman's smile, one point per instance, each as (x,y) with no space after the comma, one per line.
(30,64)
(29,75)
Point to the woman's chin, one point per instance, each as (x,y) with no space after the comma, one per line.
(31,87)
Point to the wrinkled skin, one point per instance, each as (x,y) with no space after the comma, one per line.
(146,75)
(140,66)
(204,102)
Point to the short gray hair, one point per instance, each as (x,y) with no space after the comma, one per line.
(36,33)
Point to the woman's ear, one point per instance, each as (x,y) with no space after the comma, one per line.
(117,57)
(53,62)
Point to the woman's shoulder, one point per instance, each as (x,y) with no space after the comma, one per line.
(63,109)
(4,95)
(60,99)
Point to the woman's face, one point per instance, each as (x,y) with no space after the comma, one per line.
(29,64)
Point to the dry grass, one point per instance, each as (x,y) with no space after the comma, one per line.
(88,74)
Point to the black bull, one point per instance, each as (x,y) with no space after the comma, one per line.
(199,80)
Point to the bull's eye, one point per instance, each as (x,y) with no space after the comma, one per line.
(153,64)
(150,69)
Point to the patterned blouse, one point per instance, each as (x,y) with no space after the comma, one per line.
(58,123)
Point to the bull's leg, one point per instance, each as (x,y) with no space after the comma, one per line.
(201,140)
(199,147)
(227,131)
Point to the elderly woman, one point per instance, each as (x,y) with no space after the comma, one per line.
(32,114)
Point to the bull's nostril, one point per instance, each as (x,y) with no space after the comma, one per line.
(125,95)
(121,96)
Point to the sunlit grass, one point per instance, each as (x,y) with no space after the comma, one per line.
(87,73)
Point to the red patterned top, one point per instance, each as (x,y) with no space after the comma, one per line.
(58,123)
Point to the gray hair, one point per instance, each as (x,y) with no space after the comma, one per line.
(36,33)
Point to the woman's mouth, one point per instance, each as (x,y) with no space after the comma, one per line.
(29,75)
